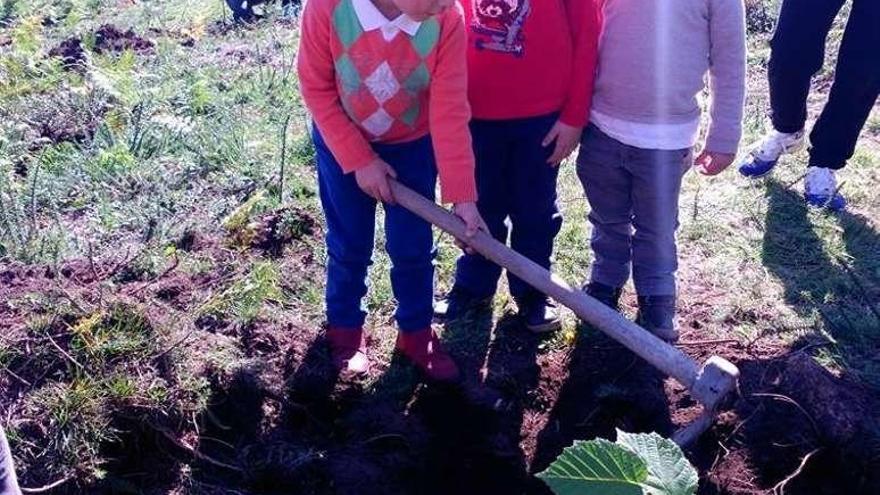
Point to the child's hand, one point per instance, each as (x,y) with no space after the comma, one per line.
(713,163)
(470,215)
(567,138)
(373,180)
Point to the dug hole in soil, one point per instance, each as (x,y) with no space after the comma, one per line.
(293,426)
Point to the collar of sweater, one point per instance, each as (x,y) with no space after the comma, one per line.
(371,18)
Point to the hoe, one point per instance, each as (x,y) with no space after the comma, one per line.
(708,383)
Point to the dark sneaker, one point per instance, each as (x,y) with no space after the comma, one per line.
(605,294)
(457,303)
(423,348)
(539,315)
(657,315)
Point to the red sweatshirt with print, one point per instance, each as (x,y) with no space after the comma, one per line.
(532,57)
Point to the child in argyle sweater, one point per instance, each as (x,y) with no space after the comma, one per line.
(386,83)
(530,69)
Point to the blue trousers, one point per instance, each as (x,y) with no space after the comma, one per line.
(351,219)
(514,181)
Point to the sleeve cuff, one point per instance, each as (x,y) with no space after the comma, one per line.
(575,118)
(722,144)
(352,162)
(458,190)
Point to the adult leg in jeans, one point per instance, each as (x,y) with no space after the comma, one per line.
(798,51)
(8,481)
(855,89)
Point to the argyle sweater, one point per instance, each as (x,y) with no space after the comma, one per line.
(362,88)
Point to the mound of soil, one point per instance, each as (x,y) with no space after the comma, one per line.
(795,427)
(71,53)
(109,38)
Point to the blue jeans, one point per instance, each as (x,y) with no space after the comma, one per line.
(8,483)
(633,195)
(514,181)
(351,219)
(799,52)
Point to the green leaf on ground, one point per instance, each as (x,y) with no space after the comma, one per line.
(638,464)
(596,467)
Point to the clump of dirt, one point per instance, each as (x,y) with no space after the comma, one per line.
(71,53)
(243,53)
(258,224)
(274,230)
(183,37)
(846,415)
(109,38)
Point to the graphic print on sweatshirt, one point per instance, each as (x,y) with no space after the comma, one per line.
(498,25)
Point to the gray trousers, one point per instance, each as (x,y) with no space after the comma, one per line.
(633,195)
(8,482)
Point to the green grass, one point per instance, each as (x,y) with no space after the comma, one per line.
(243,300)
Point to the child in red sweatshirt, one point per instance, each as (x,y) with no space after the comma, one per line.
(531,65)
(386,83)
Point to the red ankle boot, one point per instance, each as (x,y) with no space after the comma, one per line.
(423,348)
(348,348)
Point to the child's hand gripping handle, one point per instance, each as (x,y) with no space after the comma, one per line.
(663,356)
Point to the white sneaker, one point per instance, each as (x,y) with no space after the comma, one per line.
(820,189)
(766,152)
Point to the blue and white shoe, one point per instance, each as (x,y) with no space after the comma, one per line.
(766,152)
(820,189)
